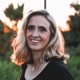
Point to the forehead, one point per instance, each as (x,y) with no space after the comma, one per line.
(39,20)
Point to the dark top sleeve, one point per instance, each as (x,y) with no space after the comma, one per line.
(59,71)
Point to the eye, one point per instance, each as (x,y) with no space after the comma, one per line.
(42,29)
(30,27)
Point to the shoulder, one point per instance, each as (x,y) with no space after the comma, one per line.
(58,64)
(60,69)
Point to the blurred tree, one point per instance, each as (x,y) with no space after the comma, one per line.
(73,37)
(14,14)
(5,31)
(1,27)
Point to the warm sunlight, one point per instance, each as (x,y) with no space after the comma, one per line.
(59,10)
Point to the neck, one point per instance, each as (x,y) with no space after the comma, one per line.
(37,57)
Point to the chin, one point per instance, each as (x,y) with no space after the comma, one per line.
(36,49)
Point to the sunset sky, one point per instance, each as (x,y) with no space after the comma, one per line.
(59,9)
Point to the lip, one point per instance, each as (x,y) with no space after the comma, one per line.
(34,42)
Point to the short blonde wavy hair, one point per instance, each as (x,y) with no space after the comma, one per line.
(55,47)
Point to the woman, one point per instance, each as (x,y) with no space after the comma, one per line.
(39,49)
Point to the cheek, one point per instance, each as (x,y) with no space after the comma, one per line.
(27,36)
(46,38)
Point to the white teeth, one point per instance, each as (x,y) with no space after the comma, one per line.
(35,41)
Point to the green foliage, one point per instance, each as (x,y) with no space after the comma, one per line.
(1,26)
(73,42)
(9,71)
(74,66)
(74,61)
(14,14)
(73,37)
(5,42)
(74,51)
(75,22)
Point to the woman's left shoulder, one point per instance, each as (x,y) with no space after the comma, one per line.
(60,69)
(58,63)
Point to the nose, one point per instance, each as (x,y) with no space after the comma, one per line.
(35,33)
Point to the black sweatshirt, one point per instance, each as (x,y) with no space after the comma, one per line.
(55,70)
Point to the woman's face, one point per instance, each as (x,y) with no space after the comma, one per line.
(38,33)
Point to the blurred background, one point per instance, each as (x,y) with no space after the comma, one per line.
(67,16)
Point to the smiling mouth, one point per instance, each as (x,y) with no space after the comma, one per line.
(35,41)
